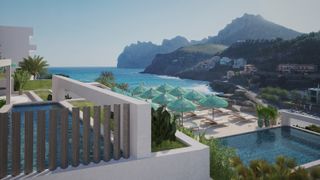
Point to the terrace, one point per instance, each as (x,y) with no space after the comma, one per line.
(60,141)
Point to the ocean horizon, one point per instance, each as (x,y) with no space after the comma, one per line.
(131,76)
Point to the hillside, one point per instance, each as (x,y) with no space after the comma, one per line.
(251,27)
(140,54)
(183,58)
(267,54)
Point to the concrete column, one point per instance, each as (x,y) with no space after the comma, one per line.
(8,84)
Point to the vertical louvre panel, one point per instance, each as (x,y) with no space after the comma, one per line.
(41,140)
(75,137)
(126,131)
(116,139)
(106,131)
(53,140)
(28,145)
(16,157)
(64,138)
(96,131)
(86,135)
(3,144)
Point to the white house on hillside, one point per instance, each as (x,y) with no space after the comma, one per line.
(15,43)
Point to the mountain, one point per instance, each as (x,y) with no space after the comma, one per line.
(251,27)
(177,61)
(140,54)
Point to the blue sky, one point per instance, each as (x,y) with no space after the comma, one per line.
(93,33)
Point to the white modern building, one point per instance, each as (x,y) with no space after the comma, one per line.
(15,43)
(239,63)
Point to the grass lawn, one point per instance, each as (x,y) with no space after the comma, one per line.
(38,84)
(166,145)
(43,94)
(84,103)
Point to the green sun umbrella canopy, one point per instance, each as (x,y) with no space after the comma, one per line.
(178,92)
(155,105)
(194,96)
(151,93)
(165,88)
(164,99)
(120,91)
(182,105)
(138,90)
(213,102)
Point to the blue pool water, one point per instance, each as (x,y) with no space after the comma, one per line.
(268,144)
(131,76)
(35,107)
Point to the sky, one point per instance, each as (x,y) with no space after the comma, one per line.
(94,33)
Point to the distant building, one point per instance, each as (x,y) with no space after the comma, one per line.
(314,95)
(239,63)
(299,68)
(15,43)
(249,69)
(225,61)
(230,74)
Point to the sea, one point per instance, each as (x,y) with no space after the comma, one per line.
(131,76)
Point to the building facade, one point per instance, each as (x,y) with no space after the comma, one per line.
(249,69)
(239,63)
(298,68)
(314,95)
(15,43)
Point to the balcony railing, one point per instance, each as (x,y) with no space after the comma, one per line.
(63,139)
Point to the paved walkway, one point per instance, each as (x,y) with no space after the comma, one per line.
(16,99)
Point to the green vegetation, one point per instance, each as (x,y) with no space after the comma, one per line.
(107,78)
(283,168)
(274,94)
(21,78)
(34,65)
(43,94)
(38,84)
(211,49)
(313,128)
(266,115)
(2,102)
(166,145)
(220,155)
(163,126)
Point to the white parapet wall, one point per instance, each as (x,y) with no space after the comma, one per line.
(140,111)
(289,118)
(188,163)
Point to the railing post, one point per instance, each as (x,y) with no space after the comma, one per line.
(53,140)
(116,131)
(86,135)
(126,131)
(96,133)
(28,144)
(75,137)
(106,133)
(41,140)
(64,137)
(16,140)
(3,144)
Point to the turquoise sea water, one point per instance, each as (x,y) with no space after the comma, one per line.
(130,76)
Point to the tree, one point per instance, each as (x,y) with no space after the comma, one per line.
(34,65)
(106,78)
(266,115)
(21,78)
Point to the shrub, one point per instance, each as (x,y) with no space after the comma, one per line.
(2,102)
(20,80)
(163,126)
(313,128)
(49,98)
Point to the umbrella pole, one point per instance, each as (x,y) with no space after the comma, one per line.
(212,113)
(182,119)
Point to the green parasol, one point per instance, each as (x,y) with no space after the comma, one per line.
(213,102)
(164,88)
(178,92)
(164,99)
(138,90)
(151,93)
(194,96)
(182,105)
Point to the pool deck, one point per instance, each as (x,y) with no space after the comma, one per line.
(17,99)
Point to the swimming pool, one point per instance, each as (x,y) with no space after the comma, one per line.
(268,144)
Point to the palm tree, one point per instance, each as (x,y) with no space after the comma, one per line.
(34,65)
(266,115)
(106,78)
